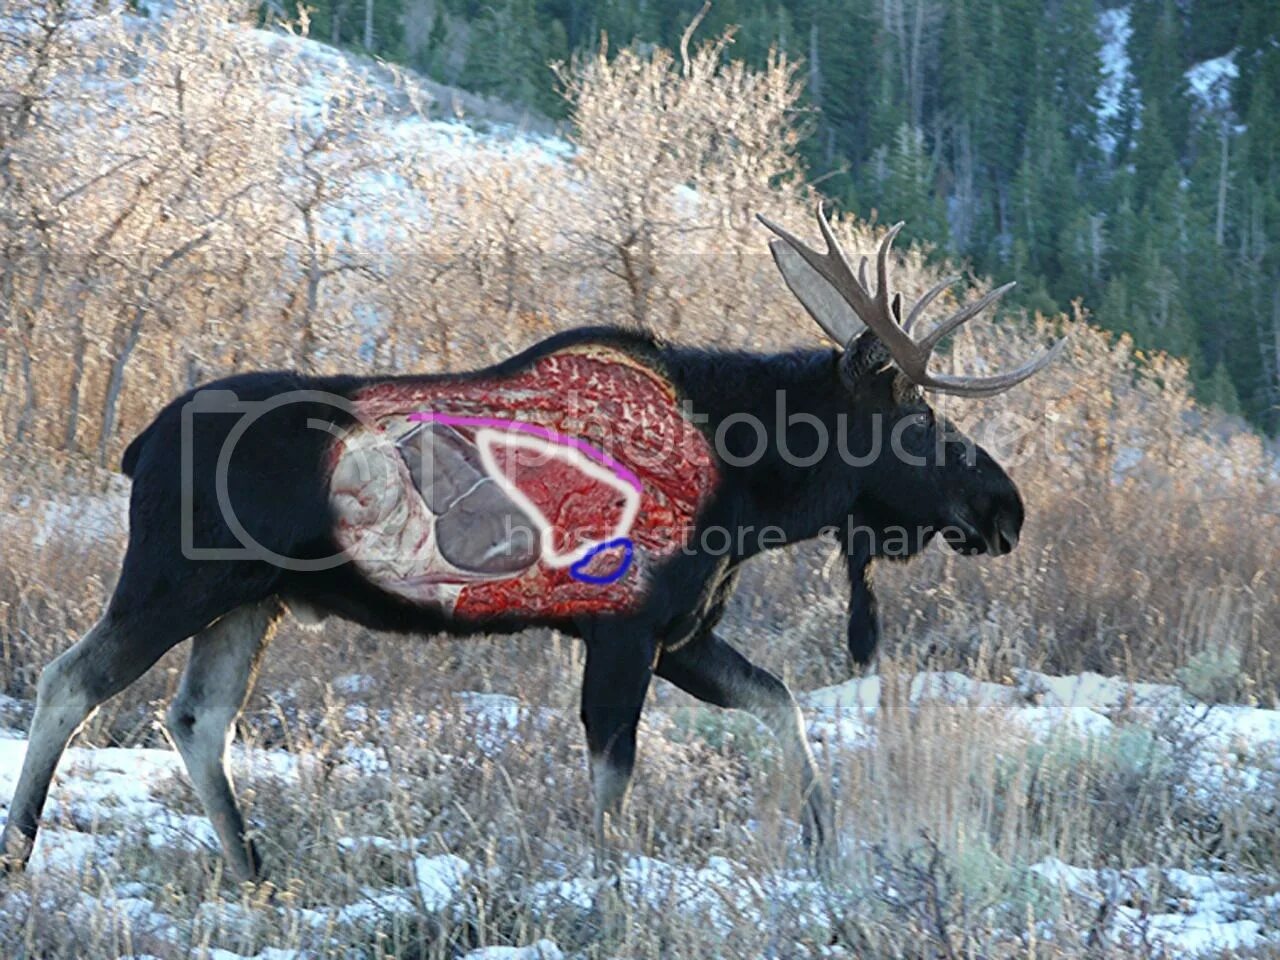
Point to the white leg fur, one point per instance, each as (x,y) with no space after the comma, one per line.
(63,704)
(201,720)
(608,791)
(779,711)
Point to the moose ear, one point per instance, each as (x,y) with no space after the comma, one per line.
(832,311)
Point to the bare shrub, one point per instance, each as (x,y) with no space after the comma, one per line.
(171,210)
(159,232)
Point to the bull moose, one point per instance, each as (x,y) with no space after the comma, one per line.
(602,483)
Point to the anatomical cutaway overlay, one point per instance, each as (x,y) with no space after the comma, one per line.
(486,497)
(488,524)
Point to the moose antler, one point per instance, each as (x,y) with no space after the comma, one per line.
(881,311)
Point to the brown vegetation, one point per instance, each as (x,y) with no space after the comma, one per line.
(172,214)
(169,213)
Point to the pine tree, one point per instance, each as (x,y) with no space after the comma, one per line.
(1153,153)
(906,186)
(963,91)
(509,53)
(1220,390)
(1042,189)
(348,21)
(1156,51)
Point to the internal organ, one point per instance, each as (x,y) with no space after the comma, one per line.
(551,492)
(513,494)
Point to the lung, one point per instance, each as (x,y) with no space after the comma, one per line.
(479,527)
(552,491)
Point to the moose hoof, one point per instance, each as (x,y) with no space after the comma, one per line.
(15,851)
(261,892)
(818,839)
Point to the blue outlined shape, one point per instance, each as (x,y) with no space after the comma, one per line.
(578,570)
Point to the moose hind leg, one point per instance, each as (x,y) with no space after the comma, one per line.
(713,671)
(201,719)
(111,656)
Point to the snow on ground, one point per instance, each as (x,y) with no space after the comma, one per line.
(92,516)
(1114,29)
(720,894)
(542,950)
(1217,922)
(1210,81)
(403,133)
(1047,705)
(1188,912)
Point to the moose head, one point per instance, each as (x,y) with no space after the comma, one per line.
(927,476)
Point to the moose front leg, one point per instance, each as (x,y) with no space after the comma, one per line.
(714,672)
(618,669)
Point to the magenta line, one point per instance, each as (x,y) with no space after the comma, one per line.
(428,416)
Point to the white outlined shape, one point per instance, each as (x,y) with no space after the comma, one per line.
(488,437)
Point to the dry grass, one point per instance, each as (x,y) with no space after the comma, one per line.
(159,232)
(1152,536)
(939,831)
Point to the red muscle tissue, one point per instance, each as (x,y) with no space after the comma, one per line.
(550,492)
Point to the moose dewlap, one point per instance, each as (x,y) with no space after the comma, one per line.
(553,491)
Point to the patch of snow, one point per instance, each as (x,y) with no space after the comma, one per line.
(94,785)
(1189,913)
(1114,30)
(1046,721)
(267,953)
(1092,691)
(381,844)
(1058,873)
(577,892)
(183,831)
(844,731)
(359,762)
(357,714)
(96,516)
(68,851)
(1229,750)
(859,697)
(354,684)
(136,914)
(492,709)
(494,718)
(1210,81)
(279,764)
(440,879)
(376,906)
(1231,725)
(862,696)
(1196,933)
(541,950)
(1127,459)
(723,893)
(104,785)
